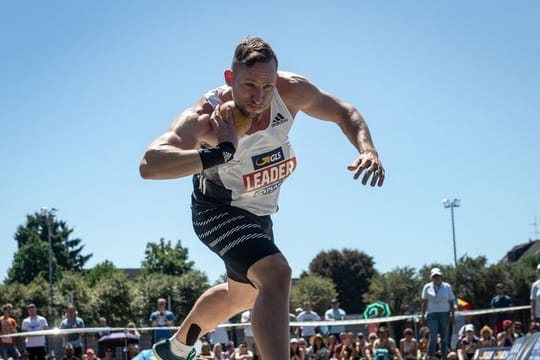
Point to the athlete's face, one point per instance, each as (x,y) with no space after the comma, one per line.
(252,86)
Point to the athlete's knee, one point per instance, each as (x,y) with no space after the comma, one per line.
(271,272)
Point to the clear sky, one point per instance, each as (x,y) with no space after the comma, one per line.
(450,89)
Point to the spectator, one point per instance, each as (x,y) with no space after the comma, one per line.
(91,355)
(72,321)
(318,350)
(133,350)
(206,352)
(486,338)
(297,353)
(535,297)
(302,344)
(35,345)
(348,349)
(8,325)
(341,342)
(333,314)
(362,346)
(423,342)
(307,331)
(534,328)
(372,337)
(229,349)
(332,345)
(384,348)
(408,346)
(243,353)
(517,329)
(499,301)
(162,318)
(102,323)
(438,307)
(506,337)
(458,328)
(69,352)
(248,332)
(109,354)
(218,352)
(468,344)
(132,329)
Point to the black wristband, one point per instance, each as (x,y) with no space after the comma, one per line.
(218,155)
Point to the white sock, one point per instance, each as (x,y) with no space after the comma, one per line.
(179,349)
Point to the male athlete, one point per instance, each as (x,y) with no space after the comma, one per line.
(237,178)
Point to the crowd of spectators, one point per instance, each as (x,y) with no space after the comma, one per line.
(433,339)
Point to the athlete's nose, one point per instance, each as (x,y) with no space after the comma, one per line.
(257,96)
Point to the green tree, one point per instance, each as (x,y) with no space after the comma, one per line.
(101,271)
(32,256)
(14,294)
(399,288)
(113,299)
(351,270)
(315,289)
(31,260)
(72,289)
(163,258)
(182,291)
(522,276)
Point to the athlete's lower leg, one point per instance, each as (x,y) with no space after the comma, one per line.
(270,319)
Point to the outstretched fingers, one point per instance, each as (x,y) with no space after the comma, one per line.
(367,166)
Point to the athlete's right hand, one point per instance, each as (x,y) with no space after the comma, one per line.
(222,123)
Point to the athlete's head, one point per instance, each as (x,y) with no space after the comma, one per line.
(253,76)
(253,50)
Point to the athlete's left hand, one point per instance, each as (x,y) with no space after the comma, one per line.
(368,162)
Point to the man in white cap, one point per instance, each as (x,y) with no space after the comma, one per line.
(438,309)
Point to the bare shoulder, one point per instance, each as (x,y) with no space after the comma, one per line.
(191,128)
(297,91)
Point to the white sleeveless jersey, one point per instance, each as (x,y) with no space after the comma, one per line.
(261,163)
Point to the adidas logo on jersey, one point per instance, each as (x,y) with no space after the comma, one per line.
(278,120)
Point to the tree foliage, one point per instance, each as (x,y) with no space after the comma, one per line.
(398,288)
(32,256)
(112,299)
(101,271)
(180,291)
(351,270)
(315,289)
(163,258)
(31,260)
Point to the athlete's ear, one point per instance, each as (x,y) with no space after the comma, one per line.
(228,74)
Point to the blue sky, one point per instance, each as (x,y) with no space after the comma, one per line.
(450,90)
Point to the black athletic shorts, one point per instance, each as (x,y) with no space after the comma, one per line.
(237,236)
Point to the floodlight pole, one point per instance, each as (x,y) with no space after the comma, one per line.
(45,211)
(452,204)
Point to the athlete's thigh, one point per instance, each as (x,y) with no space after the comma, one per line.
(242,295)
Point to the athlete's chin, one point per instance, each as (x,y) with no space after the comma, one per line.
(255,111)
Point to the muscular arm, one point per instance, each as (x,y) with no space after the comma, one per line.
(306,97)
(175,153)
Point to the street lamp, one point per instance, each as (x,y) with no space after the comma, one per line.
(452,204)
(45,211)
